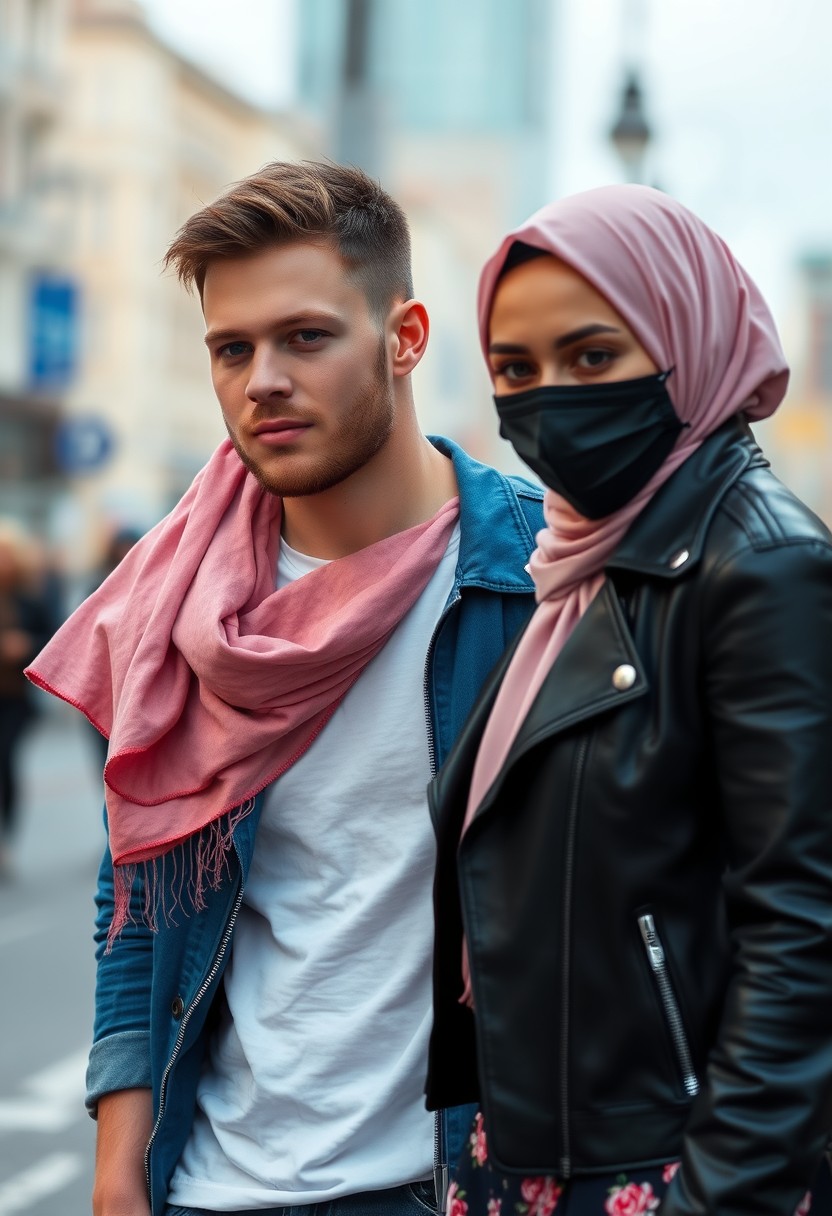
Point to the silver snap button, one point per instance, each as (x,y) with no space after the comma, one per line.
(679,560)
(624,677)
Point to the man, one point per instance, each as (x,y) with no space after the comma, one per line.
(280,666)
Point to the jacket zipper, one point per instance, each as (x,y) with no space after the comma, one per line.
(569,870)
(183,1026)
(658,964)
(440,1164)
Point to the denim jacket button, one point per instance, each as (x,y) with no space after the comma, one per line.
(177,1007)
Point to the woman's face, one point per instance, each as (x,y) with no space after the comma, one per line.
(550,327)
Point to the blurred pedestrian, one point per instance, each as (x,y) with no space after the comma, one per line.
(118,545)
(278,665)
(25,626)
(635,829)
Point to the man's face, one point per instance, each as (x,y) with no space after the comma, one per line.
(299,365)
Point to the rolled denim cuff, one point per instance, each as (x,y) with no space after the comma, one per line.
(119,1061)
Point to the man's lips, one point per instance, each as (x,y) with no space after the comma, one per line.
(280,424)
(280,430)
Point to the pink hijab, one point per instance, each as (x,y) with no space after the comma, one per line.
(693,308)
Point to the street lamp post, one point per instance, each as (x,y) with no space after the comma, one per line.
(630,134)
(359,118)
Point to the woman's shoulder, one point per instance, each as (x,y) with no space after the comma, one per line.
(765,541)
(760,513)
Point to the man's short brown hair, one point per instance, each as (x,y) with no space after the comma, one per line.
(289,201)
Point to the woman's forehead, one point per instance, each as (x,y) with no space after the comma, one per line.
(544,290)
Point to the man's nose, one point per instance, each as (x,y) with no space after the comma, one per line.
(268,376)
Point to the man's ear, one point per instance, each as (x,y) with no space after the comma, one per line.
(408,326)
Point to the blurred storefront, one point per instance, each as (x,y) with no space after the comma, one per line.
(146,138)
(38,294)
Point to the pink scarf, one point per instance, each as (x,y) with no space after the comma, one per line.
(207,681)
(693,308)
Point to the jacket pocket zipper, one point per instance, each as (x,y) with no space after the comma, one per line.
(658,965)
(440,1158)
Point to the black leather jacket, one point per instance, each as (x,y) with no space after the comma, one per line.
(647,887)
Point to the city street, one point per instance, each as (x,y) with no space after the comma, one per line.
(46,958)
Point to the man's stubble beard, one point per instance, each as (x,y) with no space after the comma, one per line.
(362,432)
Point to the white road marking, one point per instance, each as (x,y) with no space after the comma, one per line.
(51,1099)
(61,1082)
(22,1115)
(47,1177)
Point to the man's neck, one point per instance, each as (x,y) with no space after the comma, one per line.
(404,484)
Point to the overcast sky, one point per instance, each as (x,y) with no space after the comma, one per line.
(739,93)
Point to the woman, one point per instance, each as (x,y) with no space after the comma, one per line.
(635,828)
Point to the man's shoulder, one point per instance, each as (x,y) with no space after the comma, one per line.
(486,475)
(500,515)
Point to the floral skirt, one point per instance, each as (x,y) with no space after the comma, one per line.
(478,1189)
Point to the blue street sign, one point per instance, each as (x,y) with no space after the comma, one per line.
(83,444)
(53,330)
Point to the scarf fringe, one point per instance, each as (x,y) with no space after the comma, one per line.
(175,883)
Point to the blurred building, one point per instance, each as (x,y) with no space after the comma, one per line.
(801,432)
(449,105)
(148,138)
(38,297)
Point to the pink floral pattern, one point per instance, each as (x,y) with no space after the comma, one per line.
(479,1188)
(456,1205)
(479,1148)
(541,1196)
(631,1199)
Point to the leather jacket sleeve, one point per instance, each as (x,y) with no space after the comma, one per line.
(762,1118)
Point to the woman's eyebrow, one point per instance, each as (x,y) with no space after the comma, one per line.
(506,348)
(586,331)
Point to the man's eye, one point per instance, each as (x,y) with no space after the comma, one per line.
(305,337)
(232,350)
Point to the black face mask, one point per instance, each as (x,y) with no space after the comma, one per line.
(596,444)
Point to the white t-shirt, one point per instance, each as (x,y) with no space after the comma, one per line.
(313,1083)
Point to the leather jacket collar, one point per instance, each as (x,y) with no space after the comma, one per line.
(666,539)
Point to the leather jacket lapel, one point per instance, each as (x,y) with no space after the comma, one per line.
(598,670)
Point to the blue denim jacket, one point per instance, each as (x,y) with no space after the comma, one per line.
(154,990)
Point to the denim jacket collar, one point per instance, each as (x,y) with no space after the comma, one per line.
(493,528)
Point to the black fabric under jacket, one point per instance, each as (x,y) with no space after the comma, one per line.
(647,886)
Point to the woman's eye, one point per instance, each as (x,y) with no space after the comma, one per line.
(594,359)
(516,370)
